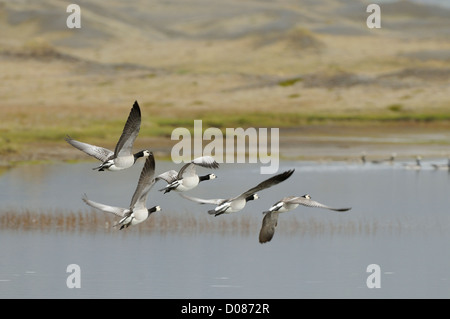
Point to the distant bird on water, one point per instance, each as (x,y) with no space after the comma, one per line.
(388,160)
(442,166)
(122,157)
(414,166)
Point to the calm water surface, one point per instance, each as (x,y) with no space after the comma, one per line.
(402,215)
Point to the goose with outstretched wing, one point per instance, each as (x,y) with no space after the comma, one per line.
(237,203)
(287,204)
(137,212)
(187,178)
(122,156)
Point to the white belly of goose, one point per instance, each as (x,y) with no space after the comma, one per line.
(284,207)
(139,215)
(233,207)
(122,163)
(188,183)
(136,217)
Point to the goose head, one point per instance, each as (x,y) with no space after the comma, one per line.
(208,177)
(252,197)
(143,153)
(154,209)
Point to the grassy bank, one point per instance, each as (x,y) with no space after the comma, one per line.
(15,140)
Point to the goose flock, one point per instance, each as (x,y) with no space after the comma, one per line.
(182,181)
(415,165)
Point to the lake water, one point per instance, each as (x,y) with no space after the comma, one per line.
(399,221)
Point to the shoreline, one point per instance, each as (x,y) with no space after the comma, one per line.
(325,142)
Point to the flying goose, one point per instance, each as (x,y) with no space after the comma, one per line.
(235,204)
(122,157)
(286,204)
(137,212)
(187,178)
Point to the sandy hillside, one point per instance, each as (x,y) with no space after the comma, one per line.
(253,62)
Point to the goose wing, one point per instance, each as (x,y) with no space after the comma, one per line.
(130,132)
(100,153)
(189,168)
(118,211)
(169,176)
(269,223)
(311,203)
(217,201)
(206,161)
(145,183)
(267,183)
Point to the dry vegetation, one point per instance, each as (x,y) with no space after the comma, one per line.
(243,224)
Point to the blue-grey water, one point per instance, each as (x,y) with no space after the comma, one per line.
(402,216)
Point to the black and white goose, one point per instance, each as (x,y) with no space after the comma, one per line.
(236,204)
(122,157)
(287,204)
(137,212)
(187,178)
